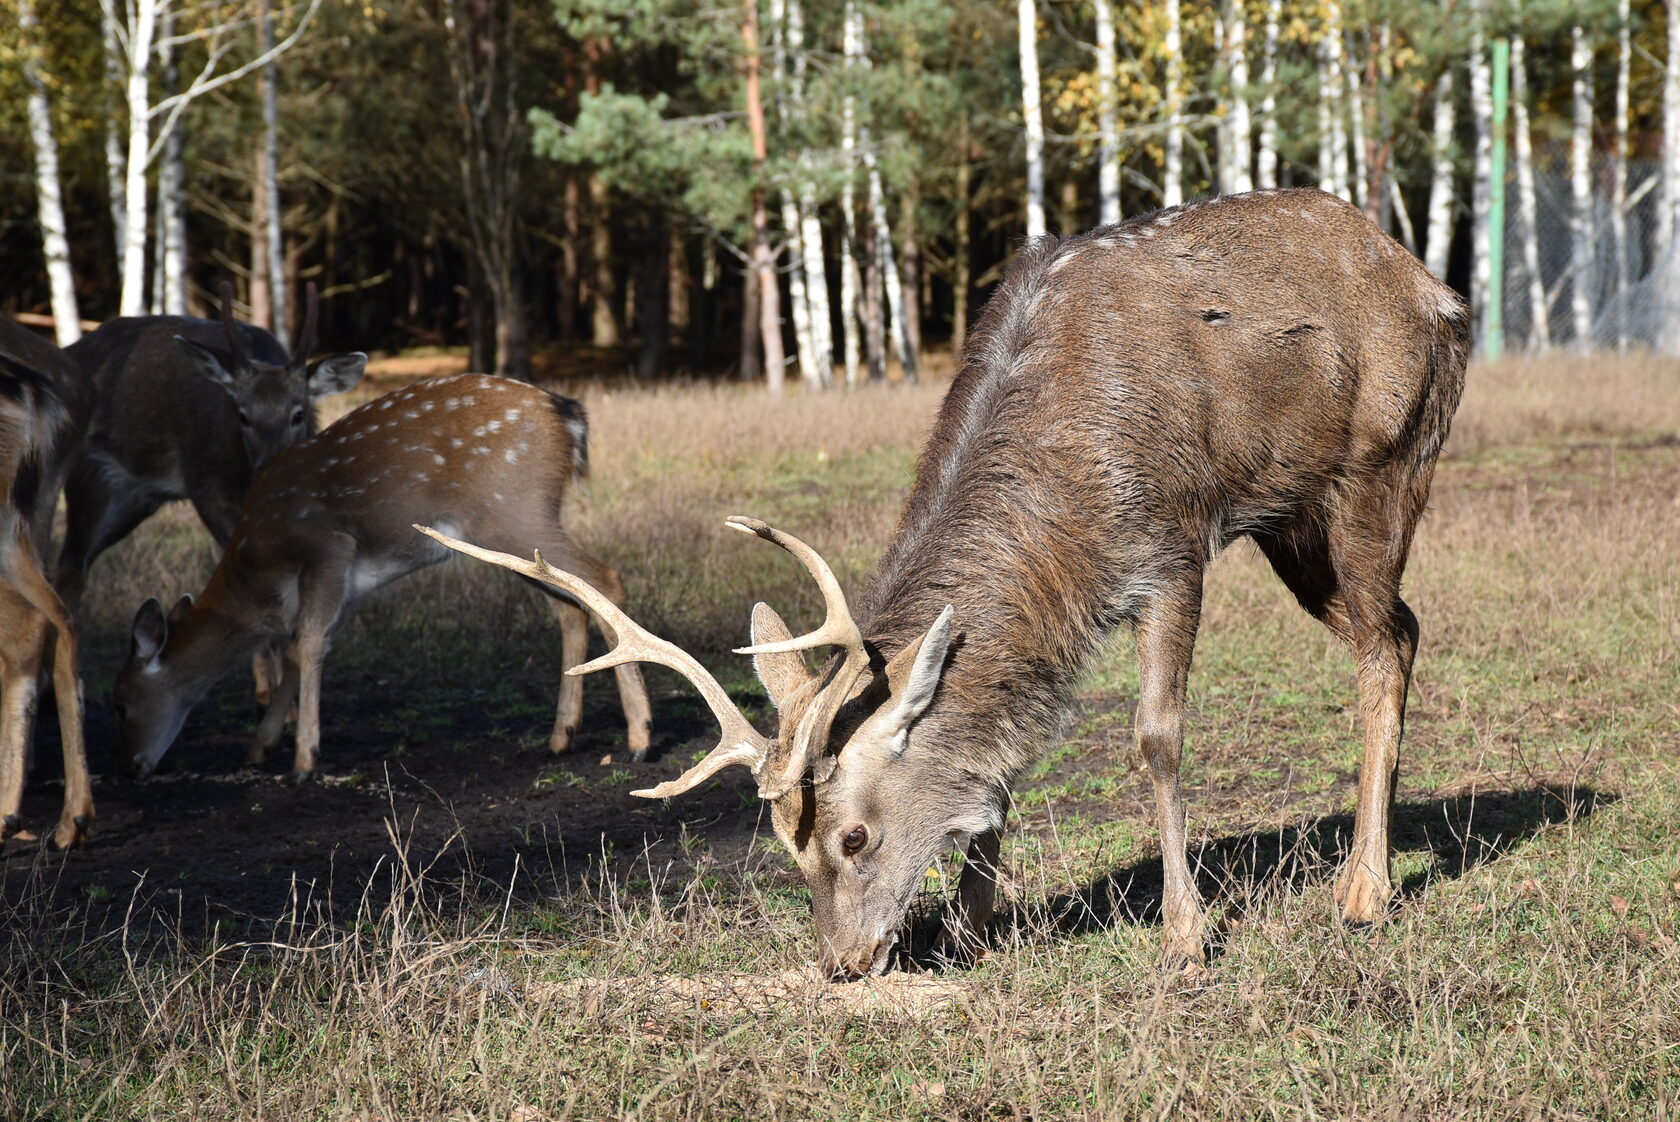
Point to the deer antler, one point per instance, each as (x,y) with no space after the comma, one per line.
(235,351)
(306,337)
(740,742)
(838,628)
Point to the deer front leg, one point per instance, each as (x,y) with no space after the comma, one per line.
(574,644)
(281,706)
(322,591)
(1166,637)
(963,934)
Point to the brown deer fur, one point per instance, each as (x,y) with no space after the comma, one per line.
(44,404)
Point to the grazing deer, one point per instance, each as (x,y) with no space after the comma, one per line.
(45,400)
(331,520)
(1134,399)
(185,409)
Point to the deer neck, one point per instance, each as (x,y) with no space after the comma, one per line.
(215,636)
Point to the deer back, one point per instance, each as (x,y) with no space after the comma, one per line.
(45,402)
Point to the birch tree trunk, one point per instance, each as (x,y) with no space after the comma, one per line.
(1481,108)
(769,296)
(851,289)
(1619,173)
(1266,159)
(1237,123)
(1357,107)
(1172,162)
(1332,133)
(1033,114)
(792,225)
(1437,244)
(268,81)
(55,246)
(810,232)
(171,293)
(1108,126)
(882,237)
(141,27)
(1580,191)
(116,158)
(1528,216)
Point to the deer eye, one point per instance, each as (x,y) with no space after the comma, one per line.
(297,417)
(856,838)
(244,419)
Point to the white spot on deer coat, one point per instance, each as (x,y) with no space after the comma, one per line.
(450,403)
(511,456)
(437,459)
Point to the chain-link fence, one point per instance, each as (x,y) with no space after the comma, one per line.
(1620,293)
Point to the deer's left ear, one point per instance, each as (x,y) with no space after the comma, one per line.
(782,673)
(913,676)
(336,374)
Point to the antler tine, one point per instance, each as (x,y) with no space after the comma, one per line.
(838,628)
(740,742)
(306,337)
(236,352)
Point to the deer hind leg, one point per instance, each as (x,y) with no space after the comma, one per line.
(1166,639)
(77,815)
(562,552)
(23,634)
(1347,575)
(574,644)
(281,707)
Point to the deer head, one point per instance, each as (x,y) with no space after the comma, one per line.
(859,791)
(275,402)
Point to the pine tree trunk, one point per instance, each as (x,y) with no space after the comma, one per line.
(1580,191)
(603,320)
(1528,217)
(258,295)
(653,305)
(1032,112)
(569,278)
(1237,120)
(1437,244)
(1108,123)
(55,245)
(1172,161)
(1481,109)
(752,370)
(910,266)
(769,296)
(1266,159)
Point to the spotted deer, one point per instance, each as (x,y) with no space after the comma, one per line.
(1134,399)
(186,409)
(331,519)
(44,403)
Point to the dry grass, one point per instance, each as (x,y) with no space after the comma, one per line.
(1532,969)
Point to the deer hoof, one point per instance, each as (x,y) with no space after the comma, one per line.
(10,825)
(72,833)
(297,778)
(561,741)
(1363,896)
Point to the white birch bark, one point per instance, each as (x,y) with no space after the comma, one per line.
(1580,191)
(810,228)
(851,283)
(889,270)
(1266,159)
(1172,162)
(1528,211)
(1332,130)
(49,201)
(116,174)
(1353,82)
(792,224)
(269,81)
(171,291)
(1238,128)
(1619,173)
(1437,245)
(142,25)
(1108,128)
(1032,114)
(1481,108)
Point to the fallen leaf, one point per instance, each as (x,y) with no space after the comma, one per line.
(1619,905)
(606,761)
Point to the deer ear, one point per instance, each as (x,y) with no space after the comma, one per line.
(151,630)
(179,611)
(336,374)
(913,675)
(209,362)
(782,673)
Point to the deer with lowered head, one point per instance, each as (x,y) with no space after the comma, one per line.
(45,399)
(186,409)
(1132,400)
(331,519)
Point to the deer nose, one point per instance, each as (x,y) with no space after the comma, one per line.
(866,958)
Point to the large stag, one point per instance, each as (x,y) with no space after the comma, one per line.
(329,521)
(44,404)
(186,409)
(1134,399)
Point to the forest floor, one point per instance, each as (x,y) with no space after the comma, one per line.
(454,923)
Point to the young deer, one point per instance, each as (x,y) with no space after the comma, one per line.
(44,404)
(332,519)
(185,409)
(1269,365)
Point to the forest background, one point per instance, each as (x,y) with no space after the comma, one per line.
(774,189)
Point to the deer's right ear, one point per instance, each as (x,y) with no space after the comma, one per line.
(180,610)
(336,374)
(782,673)
(210,363)
(151,630)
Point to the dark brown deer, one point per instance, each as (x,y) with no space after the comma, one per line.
(185,409)
(45,399)
(331,519)
(1134,399)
